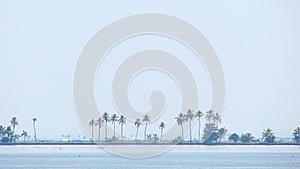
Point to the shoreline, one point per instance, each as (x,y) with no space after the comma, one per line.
(7,149)
(133,143)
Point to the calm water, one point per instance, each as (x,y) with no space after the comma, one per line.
(168,160)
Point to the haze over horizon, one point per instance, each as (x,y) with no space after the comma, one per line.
(256,42)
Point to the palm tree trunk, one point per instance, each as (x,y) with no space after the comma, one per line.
(106,130)
(122,132)
(161,131)
(24,139)
(136,135)
(114,129)
(199,129)
(34,132)
(92,133)
(190,123)
(145,132)
(182,136)
(99,133)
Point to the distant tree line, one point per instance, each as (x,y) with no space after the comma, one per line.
(212,133)
(8,134)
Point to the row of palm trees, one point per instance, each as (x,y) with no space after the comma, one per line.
(212,118)
(104,119)
(212,132)
(121,120)
(8,134)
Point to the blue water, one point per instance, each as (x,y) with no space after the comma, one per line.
(168,160)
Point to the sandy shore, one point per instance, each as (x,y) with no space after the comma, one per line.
(176,148)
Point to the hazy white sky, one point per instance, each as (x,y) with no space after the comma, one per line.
(257,42)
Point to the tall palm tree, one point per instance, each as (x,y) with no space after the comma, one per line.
(113,120)
(122,121)
(146,120)
(34,127)
(106,119)
(14,123)
(162,126)
(189,117)
(217,119)
(92,123)
(24,134)
(209,116)
(99,123)
(137,123)
(180,120)
(199,115)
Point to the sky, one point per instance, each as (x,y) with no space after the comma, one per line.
(257,44)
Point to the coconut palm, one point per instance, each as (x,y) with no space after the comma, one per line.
(189,117)
(34,127)
(24,135)
(122,121)
(113,120)
(180,119)
(99,123)
(13,123)
(162,126)
(9,133)
(209,116)
(222,131)
(146,120)
(217,119)
(268,136)
(92,123)
(199,115)
(106,119)
(296,134)
(137,123)
(2,131)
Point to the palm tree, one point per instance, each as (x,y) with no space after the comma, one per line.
(217,119)
(199,115)
(189,117)
(105,117)
(24,134)
(146,119)
(222,131)
(268,136)
(122,121)
(34,129)
(9,133)
(180,120)
(209,116)
(162,126)
(2,131)
(137,123)
(92,123)
(99,123)
(13,123)
(113,120)
(296,134)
